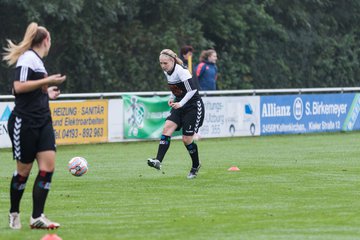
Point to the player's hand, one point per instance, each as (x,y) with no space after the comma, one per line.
(53,92)
(176,105)
(56,79)
(170,102)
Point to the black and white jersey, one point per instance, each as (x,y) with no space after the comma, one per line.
(182,85)
(34,104)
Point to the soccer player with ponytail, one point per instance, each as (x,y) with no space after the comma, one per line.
(187,111)
(30,124)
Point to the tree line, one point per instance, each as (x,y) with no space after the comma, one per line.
(114,45)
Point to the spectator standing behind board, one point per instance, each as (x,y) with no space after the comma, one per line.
(186,54)
(206,70)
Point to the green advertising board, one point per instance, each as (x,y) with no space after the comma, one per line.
(144,117)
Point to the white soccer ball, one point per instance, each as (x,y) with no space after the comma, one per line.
(78,166)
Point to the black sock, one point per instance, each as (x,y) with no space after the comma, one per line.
(17,187)
(40,192)
(193,151)
(164,145)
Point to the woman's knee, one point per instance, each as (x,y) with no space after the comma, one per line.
(169,128)
(187,139)
(46,161)
(23,168)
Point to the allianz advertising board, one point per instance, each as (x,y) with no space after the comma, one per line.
(309,113)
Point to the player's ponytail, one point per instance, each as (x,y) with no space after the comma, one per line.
(169,53)
(34,35)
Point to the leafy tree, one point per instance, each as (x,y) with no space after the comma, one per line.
(113,45)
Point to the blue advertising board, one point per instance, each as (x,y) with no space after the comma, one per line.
(309,113)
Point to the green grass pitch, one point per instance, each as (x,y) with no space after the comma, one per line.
(288,187)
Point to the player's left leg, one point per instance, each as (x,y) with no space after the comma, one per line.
(192,148)
(46,161)
(192,120)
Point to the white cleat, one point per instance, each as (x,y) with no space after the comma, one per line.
(152,162)
(193,172)
(14,220)
(43,222)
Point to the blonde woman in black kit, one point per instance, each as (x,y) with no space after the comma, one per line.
(30,124)
(187,111)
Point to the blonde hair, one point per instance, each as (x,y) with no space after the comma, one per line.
(170,54)
(34,36)
(204,56)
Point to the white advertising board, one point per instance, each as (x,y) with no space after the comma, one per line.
(231,116)
(115,121)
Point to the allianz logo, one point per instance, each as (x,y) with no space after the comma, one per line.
(275,110)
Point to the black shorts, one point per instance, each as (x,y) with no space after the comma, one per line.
(28,139)
(189,118)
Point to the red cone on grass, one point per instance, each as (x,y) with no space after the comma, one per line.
(234,168)
(51,237)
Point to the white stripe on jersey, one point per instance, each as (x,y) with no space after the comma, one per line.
(23,74)
(187,86)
